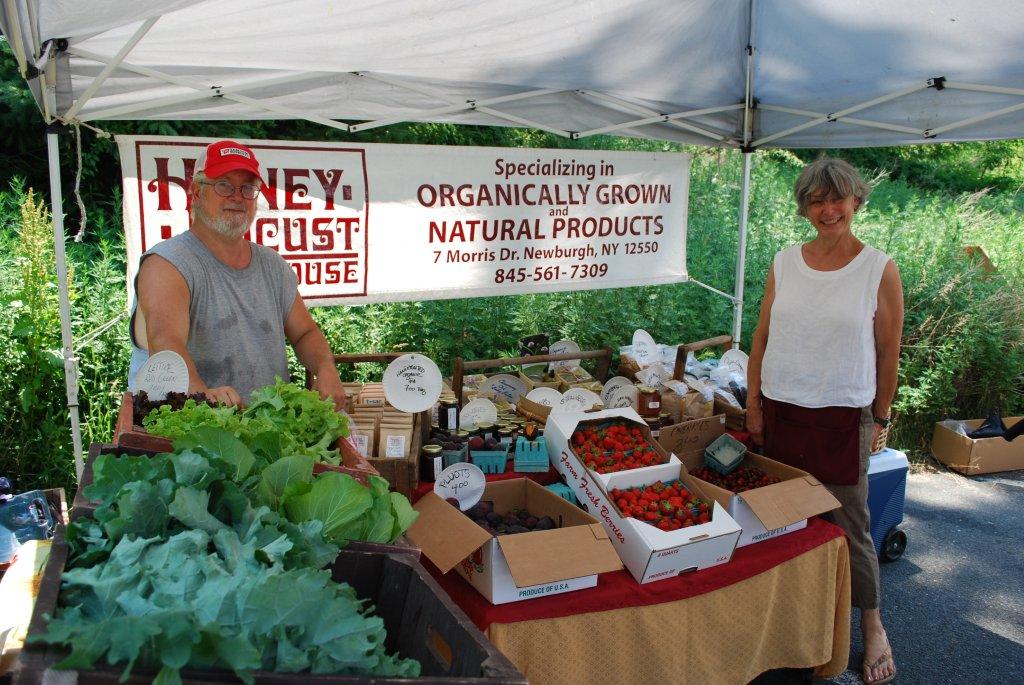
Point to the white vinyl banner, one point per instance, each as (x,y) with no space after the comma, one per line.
(377,223)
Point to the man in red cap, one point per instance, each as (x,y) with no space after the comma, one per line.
(226,305)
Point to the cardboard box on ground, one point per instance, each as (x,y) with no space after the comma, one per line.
(763,513)
(648,552)
(510,568)
(972,457)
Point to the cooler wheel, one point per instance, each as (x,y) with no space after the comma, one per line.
(894,544)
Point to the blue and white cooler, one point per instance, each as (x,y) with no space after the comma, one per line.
(887,486)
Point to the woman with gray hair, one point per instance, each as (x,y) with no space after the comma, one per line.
(822,370)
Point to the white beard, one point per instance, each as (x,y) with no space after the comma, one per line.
(232,226)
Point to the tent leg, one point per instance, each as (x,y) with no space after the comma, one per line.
(741,257)
(70,365)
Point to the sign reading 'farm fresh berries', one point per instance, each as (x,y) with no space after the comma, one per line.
(377,223)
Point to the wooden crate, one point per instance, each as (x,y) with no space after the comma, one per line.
(735,418)
(129,434)
(421,622)
(460,366)
(402,474)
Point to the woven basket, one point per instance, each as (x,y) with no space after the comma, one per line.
(883,435)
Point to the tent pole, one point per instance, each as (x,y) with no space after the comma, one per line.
(70,365)
(741,256)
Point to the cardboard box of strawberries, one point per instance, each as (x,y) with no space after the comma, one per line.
(668,506)
(657,516)
(611,441)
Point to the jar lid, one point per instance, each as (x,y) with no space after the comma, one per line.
(432,448)
(485,426)
(462,433)
(665,415)
(645,389)
(652,422)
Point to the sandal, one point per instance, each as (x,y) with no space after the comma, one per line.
(865,667)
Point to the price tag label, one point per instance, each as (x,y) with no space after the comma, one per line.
(508,387)
(645,350)
(394,447)
(361,443)
(611,385)
(465,482)
(565,347)
(476,411)
(578,399)
(653,375)
(622,396)
(412,383)
(162,373)
(549,397)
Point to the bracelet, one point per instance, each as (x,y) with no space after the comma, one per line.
(883,421)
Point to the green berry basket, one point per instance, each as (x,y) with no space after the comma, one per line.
(490,461)
(724,454)
(563,491)
(449,457)
(531,456)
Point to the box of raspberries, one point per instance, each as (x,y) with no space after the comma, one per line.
(520,541)
(765,497)
(605,442)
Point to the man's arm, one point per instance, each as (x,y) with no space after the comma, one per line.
(888,334)
(755,420)
(164,308)
(314,352)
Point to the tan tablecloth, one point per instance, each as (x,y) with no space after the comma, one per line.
(794,615)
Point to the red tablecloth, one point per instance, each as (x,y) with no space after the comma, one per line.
(618,590)
(547,478)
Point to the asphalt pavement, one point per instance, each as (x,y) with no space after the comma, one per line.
(953,604)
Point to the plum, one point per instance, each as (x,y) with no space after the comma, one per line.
(494,518)
(451,446)
(545,523)
(476,443)
(530,521)
(452,501)
(491,444)
(488,505)
(477,512)
(518,529)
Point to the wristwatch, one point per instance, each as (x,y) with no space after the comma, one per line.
(883,421)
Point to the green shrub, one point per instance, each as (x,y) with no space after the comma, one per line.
(35,432)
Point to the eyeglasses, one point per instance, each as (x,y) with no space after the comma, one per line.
(224,189)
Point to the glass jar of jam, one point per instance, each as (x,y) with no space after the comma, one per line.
(654,424)
(430,461)
(486,430)
(505,434)
(666,419)
(648,401)
(448,414)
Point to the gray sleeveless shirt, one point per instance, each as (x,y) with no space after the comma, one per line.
(236,316)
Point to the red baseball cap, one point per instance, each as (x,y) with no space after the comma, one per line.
(228,155)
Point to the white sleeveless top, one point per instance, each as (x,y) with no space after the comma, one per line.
(821,336)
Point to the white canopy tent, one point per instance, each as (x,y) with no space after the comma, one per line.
(732,73)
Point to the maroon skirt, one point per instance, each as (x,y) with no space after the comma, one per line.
(824,441)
